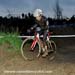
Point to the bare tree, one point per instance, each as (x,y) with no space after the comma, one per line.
(9,13)
(58,10)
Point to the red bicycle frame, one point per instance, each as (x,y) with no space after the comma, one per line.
(37,38)
(35,41)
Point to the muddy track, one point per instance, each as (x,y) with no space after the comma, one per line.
(63,64)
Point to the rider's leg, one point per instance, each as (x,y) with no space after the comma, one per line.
(45,45)
(40,41)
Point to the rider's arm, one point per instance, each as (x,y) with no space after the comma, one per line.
(30,29)
(47,25)
(33,27)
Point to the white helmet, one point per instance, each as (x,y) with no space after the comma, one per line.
(37,12)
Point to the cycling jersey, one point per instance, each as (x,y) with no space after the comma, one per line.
(41,25)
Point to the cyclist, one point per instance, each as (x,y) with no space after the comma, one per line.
(41,26)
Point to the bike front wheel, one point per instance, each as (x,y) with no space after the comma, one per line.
(26,51)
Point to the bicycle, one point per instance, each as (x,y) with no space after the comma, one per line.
(37,51)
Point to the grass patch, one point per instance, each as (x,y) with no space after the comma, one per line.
(12,40)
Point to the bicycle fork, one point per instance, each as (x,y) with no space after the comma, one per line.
(35,41)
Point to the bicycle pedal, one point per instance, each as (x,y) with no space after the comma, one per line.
(31,50)
(45,54)
(50,52)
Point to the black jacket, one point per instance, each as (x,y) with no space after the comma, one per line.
(43,24)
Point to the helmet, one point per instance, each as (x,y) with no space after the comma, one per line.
(37,12)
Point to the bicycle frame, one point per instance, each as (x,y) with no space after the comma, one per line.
(37,37)
(36,40)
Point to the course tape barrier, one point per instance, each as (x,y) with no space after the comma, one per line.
(66,36)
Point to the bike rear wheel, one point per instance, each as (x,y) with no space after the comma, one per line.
(52,49)
(26,51)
